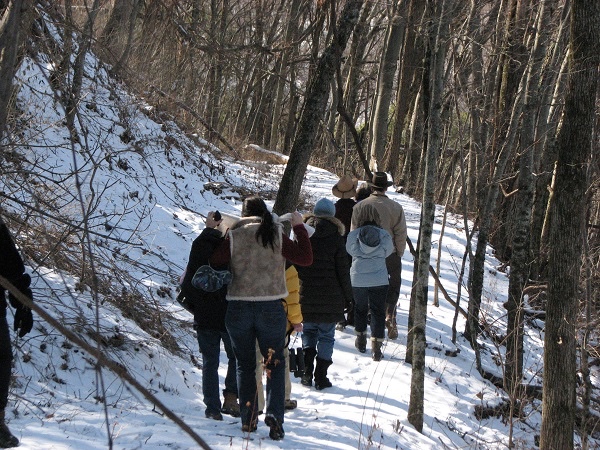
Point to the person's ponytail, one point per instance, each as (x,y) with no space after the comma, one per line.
(267,231)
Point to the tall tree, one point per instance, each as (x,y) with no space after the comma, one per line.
(521,254)
(314,107)
(12,33)
(438,42)
(385,84)
(567,229)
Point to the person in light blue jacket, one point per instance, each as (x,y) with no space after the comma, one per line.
(369,246)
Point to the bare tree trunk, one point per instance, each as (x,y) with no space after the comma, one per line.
(314,107)
(12,27)
(385,84)
(439,41)
(521,252)
(568,228)
(286,56)
(409,76)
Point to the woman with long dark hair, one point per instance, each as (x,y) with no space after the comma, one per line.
(256,249)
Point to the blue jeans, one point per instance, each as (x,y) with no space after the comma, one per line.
(320,336)
(370,299)
(265,322)
(209,342)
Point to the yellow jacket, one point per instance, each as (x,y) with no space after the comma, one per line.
(292,301)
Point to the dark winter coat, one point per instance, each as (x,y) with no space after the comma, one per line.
(209,307)
(11,267)
(325,288)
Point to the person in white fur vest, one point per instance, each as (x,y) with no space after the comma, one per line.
(256,249)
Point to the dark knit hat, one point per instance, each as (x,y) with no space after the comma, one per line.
(324,208)
(380,180)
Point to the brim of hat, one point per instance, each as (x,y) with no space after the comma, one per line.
(388,184)
(347,194)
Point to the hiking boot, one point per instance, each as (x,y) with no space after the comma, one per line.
(361,341)
(214,415)
(230,404)
(321,380)
(290,404)
(275,428)
(376,353)
(250,427)
(309,366)
(392,329)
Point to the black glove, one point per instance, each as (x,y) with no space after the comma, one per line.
(23,315)
(23,320)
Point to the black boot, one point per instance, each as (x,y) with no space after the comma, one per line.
(321,380)
(7,440)
(309,365)
(361,341)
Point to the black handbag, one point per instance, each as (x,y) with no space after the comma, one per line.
(210,280)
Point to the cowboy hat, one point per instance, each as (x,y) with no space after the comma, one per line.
(380,180)
(345,188)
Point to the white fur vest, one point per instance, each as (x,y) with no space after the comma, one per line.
(258,271)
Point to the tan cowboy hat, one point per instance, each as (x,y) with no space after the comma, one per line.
(345,188)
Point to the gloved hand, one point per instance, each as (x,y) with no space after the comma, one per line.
(23,320)
(23,315)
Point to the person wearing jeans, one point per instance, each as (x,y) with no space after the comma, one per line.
(325,291)
(256,249)
(209,342)
(209,310)
(369,245)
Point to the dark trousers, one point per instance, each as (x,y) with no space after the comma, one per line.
(370,299)
(5,358)
(209,342)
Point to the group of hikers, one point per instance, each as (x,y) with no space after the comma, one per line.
(340,266)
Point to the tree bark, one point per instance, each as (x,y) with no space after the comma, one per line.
(314,108)
(385,84)
(567,229)
(438,42)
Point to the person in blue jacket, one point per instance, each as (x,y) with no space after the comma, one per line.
(369,245)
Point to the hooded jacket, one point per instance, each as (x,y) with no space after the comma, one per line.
(325,288)
(391,218)
(369,245)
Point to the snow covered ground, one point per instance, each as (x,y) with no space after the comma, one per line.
(145,186)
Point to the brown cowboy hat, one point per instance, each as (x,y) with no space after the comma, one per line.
(380,180)
(345,188)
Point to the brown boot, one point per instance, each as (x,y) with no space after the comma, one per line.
(392,328)
(7,440)
(376,344)
(230,404)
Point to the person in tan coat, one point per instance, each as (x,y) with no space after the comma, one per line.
(392,220)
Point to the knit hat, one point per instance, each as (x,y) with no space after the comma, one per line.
(345,188)
(380,181)
(324,207)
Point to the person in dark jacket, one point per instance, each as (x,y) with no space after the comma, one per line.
(13,270)
(209,310)
(345,191)
(325,290)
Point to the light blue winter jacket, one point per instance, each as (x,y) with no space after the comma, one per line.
(369,245)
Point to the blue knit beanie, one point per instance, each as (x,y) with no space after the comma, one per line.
(323,208)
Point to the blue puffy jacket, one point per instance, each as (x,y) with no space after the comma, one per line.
(369,245)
